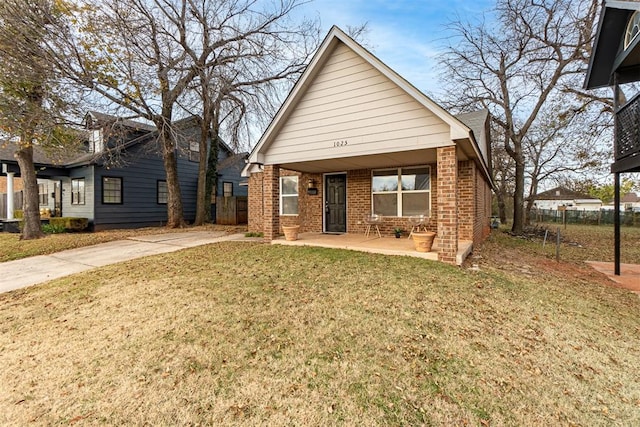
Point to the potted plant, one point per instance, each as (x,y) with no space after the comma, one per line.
(398,232)
(290,232)
(423,240)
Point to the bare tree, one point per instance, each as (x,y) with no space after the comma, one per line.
(148,56)
(521,67)
(33,101)
(242,89)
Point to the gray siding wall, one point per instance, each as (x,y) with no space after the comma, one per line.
(231,173)
(140,206)
(81,211)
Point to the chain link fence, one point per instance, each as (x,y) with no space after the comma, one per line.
(601,217)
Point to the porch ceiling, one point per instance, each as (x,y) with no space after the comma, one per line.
(374,161)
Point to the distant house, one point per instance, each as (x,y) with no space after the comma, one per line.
(563,197)
(117,179)
(354,138)
(630,202)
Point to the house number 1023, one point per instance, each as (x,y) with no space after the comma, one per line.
(340,143)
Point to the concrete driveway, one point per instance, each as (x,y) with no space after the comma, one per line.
(30,271)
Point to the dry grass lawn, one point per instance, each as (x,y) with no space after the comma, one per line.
(254,334)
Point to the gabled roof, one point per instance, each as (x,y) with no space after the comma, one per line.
(102,119)
(562,193)
(458,130)
(630,198)
(609,36)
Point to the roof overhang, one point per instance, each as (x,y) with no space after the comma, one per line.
(604,55)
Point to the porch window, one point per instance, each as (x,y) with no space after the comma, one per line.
(289,195)
(43,196)
(77,191)
(111,190)
(401,192)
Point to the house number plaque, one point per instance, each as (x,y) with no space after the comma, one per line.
(340,143)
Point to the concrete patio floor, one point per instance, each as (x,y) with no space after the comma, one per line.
(629,277)
(373,244)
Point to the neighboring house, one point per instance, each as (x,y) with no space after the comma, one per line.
(630,202)
(354,137)
(117,180)
(571,200)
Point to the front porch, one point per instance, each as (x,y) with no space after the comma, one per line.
(379,245)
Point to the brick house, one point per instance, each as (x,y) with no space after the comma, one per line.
(352,138)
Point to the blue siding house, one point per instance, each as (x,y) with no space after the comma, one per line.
(118,179)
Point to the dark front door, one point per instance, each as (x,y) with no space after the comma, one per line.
(335,212)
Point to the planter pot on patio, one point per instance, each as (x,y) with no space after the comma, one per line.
(423,241)
(290,232)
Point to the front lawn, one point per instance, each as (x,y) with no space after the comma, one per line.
(245,333)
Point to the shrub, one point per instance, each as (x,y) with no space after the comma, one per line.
(70,223)
(53,228)
(18,214)
(253,234)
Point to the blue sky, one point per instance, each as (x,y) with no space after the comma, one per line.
(407,35)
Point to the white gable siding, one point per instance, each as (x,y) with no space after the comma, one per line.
(351,109)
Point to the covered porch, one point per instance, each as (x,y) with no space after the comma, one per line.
(373,244)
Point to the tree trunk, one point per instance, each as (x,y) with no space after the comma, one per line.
(502,205)
(212,165)
(31,202)
(175,214)
(203,199)
(518,197)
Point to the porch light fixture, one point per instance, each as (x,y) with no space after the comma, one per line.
(311,187)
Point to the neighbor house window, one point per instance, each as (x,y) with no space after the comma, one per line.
(77,191)
(43,196)
(402,191)
(194,151)
(633,29)
(163,193)
(227,189)
(289,195)
(111,190)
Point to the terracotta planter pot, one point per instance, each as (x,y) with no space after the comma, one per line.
(423,241)
(290,232)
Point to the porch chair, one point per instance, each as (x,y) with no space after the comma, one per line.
(372,220)
(417,222)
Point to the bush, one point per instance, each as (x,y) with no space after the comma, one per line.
(69,223)
(253,234)
(53,228)
(18,214)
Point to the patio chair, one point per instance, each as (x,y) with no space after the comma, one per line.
(372,220)
(417,222)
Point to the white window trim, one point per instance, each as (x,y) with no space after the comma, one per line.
(399,191)
(281,196)
(628,39)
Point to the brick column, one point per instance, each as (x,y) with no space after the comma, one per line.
(447,204)
(466,199)
(256,203)
(271,194)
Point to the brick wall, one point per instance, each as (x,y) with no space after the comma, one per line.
(481,226)
(447,204)
(271,188)
(256,203)
(466,199)
(17,184)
